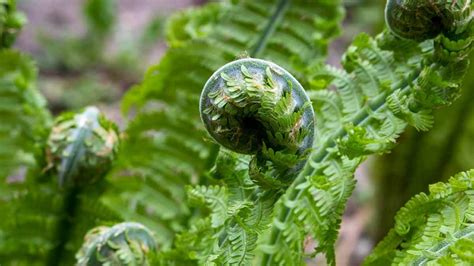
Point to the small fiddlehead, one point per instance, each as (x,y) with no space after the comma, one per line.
(81,147)
(79,152)
(253,106)
(422,20)
(122,244)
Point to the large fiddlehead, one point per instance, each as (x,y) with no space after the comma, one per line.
(252,106)
(201,40)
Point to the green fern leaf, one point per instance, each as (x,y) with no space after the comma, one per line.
(363,116)
(25,119)
(434,229)
(167,127)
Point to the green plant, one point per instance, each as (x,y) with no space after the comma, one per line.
(122,244)
(423,158)
(434,229)
(256,199)
(10,22)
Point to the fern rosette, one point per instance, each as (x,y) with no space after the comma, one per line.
(81,147)
(253,106)
(126,243)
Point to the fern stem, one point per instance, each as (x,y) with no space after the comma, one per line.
(323,155)
(467,232)
(65,225)
(279,13)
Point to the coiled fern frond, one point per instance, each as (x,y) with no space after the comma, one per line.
(432,229)
(81,147)
(167,128)
(52,207)
(122,244)
(386,84)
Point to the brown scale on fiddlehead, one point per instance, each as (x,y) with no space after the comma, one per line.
(253,106)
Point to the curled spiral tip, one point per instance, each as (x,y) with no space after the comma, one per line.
(126,243)
(81,147)
(249,104)
(421,20)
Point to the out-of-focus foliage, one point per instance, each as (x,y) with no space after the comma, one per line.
(100,15)
(75,65)
(11,22)
(433,229)
(52,202)
(77,53)
(74,93)
(23,115)
(51,208)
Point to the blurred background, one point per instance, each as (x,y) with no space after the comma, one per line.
(90,54)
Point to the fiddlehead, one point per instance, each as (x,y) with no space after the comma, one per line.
(81,147)
(122,244)
(201,41)
(79,152)
(255,107)
(252,106)
(423,20)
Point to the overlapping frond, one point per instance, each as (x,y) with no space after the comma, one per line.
(432,229)
(387,83)
(25,119)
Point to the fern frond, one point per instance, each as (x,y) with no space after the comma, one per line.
(364,115)
(437,228)
(25,119)
(214,198)
(167,128)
